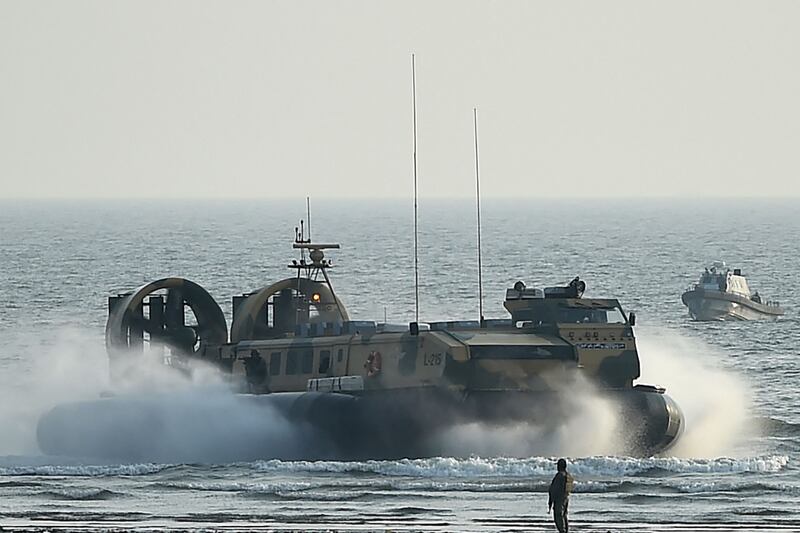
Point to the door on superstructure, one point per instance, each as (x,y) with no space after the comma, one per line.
(324,362)
(338,360)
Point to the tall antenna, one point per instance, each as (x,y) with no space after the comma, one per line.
(416,238)
(478,204)
(308,216)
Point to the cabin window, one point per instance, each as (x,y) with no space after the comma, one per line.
(308,361)
(275,363)
(324,361)
(292,362)
(340,355)
(591,316)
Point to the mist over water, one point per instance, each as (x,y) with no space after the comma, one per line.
(154,413)
(716,401)
(737,462)
(69,366)
(586,424)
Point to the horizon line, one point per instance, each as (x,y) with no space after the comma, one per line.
(392,198)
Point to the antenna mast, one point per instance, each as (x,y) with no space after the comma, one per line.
(416,238)
(478,205)
(308,216)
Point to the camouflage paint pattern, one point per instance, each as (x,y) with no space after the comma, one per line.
(296,330)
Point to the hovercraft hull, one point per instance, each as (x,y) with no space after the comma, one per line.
(311,425)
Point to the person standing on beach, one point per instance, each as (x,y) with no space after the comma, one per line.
(560,488)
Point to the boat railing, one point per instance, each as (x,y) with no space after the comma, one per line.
(699,287)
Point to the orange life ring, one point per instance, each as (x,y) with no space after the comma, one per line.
(373,364)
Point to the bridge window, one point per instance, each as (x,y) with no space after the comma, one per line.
(591,316)
(275,363)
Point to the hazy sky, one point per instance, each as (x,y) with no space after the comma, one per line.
(275,99)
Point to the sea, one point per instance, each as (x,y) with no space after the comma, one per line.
(736,467)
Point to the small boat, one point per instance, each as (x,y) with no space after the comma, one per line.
(723,294)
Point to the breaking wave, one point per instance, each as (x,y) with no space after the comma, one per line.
(437,467)
(84,470)
(537,466)
(428,488)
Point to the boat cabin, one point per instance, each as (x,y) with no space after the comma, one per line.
(720,278)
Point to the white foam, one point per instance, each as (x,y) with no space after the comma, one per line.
(437,467)
(349,486)
(240,486)
(700,487)
(83,470)
(476,467)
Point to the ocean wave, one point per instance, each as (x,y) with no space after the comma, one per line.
(238,486)
(84,470)
(776,427)
(721,465)
(441,467)
(80,494)
(347,488)
(695,487)
(325,496)
(18,483)
(646,499)
(763,511)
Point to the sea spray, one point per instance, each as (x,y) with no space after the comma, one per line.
(157,413)
(714,399)
(75,368)
(585,423)
(70,365)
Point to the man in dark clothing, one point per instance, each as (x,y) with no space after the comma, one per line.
(560,488)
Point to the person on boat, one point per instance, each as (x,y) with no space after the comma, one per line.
(558,502)
(756,297)
(256,370)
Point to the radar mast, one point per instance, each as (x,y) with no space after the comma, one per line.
(316,265)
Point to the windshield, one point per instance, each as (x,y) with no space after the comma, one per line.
(611,315)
